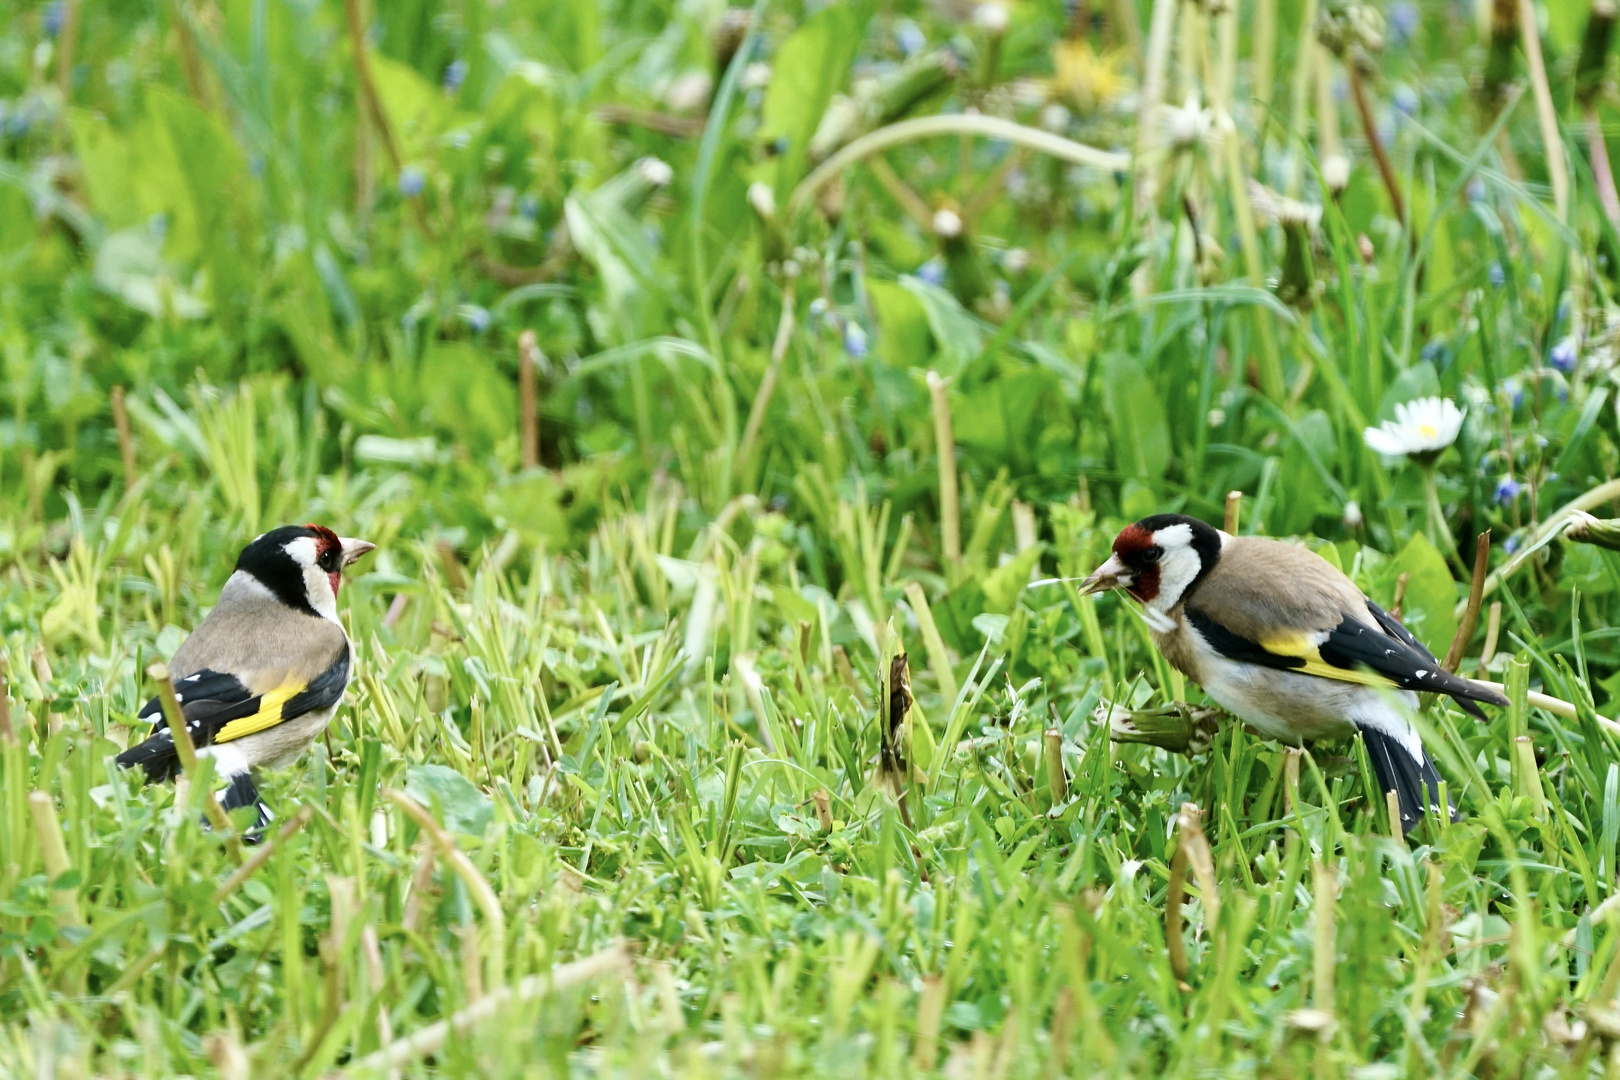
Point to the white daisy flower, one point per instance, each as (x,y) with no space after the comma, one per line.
(1421,429)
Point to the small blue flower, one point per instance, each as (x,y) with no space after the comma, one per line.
(932,271)
(1507,489)
(54,16)
(528,208)
(1432,351)
(1476,191)
(157,226)
(21,119)
(1405,100)
(909,37)
(454,75)
(1402,18)
(411,181)
(477,318)
(855,340)
(1564,356)
(1511,544)
(1497,275)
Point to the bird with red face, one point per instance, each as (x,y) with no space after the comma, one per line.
(1280,638)
(260,677)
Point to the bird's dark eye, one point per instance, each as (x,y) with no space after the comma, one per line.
(330,560)
(1153,554)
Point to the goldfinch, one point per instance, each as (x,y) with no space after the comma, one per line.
(1281,639)
(261,676)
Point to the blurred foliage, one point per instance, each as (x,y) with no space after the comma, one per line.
(628,681)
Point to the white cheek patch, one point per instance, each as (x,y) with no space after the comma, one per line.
(317,586)
(1177,567)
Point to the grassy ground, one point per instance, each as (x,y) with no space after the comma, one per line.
(625,673)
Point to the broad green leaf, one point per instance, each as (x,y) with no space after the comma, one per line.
(1141,431)
(811,64)
(1312,435)
(417,111)
(956,334)
(1431,593)
(460,806)
(902,325)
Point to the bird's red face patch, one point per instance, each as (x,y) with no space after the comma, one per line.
(328,554)
(1135,548)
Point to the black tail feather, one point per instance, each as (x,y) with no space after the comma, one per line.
(1414,780)
(241,792)
(157,756)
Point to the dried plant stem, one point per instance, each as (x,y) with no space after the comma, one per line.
(1326,889)
(482,894)
(1546,532)
(369,100)
(1546,113)
(53,852)
(186,751)
(1369,126)
(1476,595)
(1057,781)
(126,442)
(431,1039)
(528,397)
(950,517)
(262,855)
(1234,507)
(927,127)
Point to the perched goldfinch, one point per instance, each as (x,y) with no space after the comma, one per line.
(1281,639)
(262,675)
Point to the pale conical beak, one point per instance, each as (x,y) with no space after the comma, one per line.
(353,549)
(1110,575)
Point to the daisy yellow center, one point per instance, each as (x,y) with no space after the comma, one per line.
(1427,431)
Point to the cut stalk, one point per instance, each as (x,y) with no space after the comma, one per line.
(1057,781)
(53,852)
(1234,505)
(528,397)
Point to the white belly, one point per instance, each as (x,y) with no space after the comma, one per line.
(1292,707)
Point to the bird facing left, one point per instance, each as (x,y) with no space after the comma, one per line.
(260,678)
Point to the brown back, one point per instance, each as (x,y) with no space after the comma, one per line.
(260,640)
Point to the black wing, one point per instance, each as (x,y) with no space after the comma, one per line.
(1353,651)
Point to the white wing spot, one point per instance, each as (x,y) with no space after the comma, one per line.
(1422,674)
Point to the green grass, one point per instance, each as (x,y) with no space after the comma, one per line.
(620,716)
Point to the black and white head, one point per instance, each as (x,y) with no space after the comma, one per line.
(1158,559)
(302,565)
